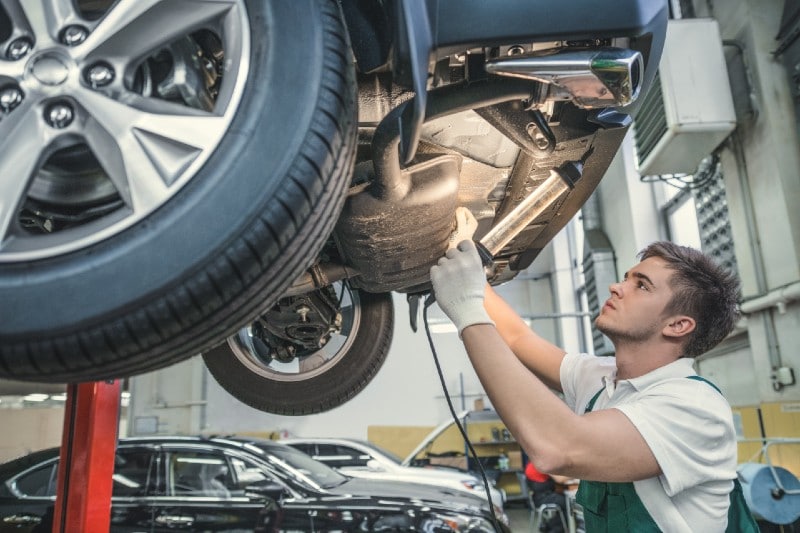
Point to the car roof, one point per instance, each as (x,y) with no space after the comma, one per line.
(343,440)
(17,464)
(228,440)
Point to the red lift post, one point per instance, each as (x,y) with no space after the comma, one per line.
(86,463)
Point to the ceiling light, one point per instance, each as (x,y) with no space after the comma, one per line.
(36,397)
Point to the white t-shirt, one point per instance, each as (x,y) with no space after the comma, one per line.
(688,426)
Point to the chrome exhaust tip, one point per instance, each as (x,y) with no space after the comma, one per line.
(606,77)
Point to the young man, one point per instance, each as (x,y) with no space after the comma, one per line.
(653,445)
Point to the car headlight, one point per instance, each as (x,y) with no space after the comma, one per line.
(477,484)
(439,523)
(472,484)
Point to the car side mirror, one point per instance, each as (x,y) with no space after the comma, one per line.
(271,490)
(374,465)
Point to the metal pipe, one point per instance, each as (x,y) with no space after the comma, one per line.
(608,77)
(775,298)
(736,146)
(390,180)
(319,276)
(525,212)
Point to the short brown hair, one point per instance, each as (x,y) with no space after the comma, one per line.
(702,290)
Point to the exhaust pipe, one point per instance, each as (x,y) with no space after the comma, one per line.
(606,77)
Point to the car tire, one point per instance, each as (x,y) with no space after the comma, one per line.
(225,245)
(330,380)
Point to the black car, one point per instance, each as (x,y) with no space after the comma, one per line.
(158,485)
(232,485)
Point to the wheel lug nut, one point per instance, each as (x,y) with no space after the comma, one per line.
(19,48)
(10,97)
(59,115)
(99,75)
(74,35)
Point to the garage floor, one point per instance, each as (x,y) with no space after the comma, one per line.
(520,517)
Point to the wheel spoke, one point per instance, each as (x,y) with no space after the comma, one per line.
(136,178)
(172,122)
(180,125)
(17,18)
(61,13)
(13,70)
(43,18)
(348,312)
(145,152)
(134,28)
(17,168)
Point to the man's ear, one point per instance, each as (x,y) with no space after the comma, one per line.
(679,325)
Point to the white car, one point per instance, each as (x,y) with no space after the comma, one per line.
(360,458)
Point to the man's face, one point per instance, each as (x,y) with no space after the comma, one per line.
(635,309)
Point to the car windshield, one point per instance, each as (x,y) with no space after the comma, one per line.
(299,463)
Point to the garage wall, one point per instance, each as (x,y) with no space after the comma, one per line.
(761,164)
(33,429)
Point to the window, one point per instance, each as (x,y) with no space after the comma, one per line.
(338,456)
(695,211)
(131,476)
(310,449)
(248,472)
(681,216)
(132,472)
(39,482)
(200,474)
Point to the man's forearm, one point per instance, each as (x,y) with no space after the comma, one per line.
(602,445)
(539,420)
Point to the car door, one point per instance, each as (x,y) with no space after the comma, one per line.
(201,492)
(27,499)
(135,486)
(341,456)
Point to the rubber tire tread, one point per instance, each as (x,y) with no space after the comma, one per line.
(225,290)
(332,388)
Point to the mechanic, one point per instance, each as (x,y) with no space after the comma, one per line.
(653,444)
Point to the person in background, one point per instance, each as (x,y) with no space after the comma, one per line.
(543,490)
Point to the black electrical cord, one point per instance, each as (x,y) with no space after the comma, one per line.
(428,302)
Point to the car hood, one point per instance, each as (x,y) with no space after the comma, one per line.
(431,495)
(451,480)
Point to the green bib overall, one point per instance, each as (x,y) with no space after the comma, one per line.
(615,507)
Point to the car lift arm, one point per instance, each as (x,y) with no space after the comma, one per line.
(86,463)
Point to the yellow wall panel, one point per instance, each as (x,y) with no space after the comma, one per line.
(782,421)
(400,440)
(748,428)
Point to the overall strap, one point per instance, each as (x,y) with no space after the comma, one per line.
(701,378)
(611,507)
(590,405)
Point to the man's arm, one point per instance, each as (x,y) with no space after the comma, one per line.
(602,445)
(537,354)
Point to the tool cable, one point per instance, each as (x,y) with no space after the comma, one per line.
(428,302)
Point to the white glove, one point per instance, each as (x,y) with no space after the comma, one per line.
(465,227)
(459,282)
